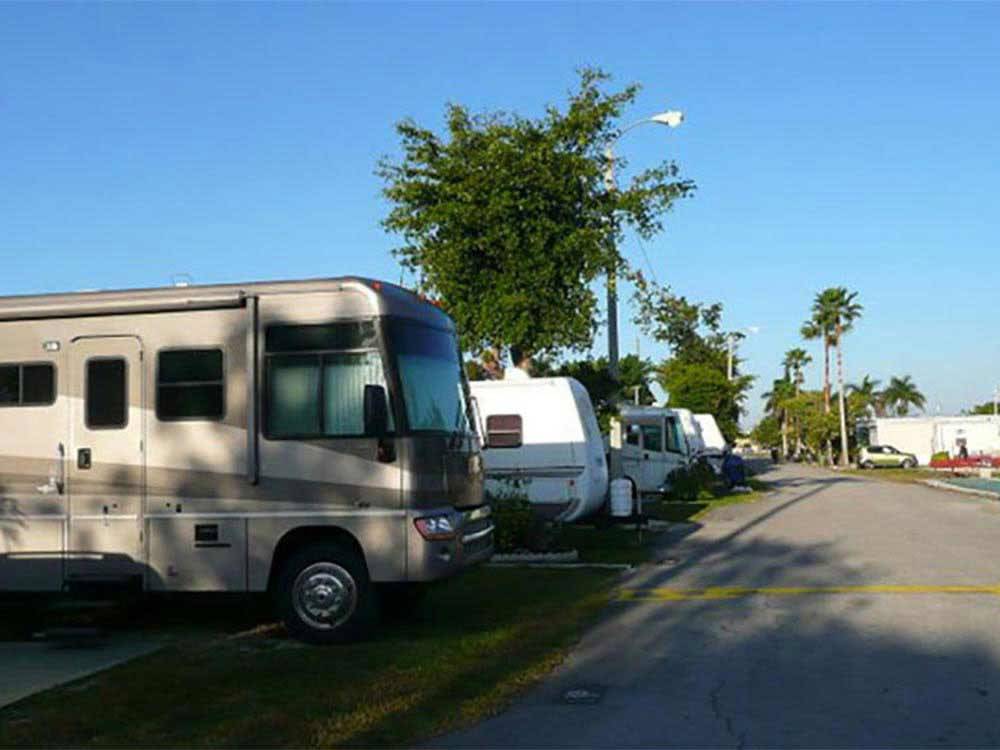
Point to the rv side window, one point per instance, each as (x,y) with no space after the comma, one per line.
(27,384)
(652,437)
(632,435)
(190,384)
(106,394)
(503,431)
(315,394)
(674,435)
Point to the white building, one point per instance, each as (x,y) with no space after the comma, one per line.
(925,436)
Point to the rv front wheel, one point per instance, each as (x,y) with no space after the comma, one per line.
(324,595)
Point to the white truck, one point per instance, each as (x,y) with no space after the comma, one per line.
(648,444)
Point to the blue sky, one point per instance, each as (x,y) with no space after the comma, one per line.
(832,144)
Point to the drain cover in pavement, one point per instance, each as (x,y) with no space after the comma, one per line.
(584,695)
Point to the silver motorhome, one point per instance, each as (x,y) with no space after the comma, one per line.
(308,438)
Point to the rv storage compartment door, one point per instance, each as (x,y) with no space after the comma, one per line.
(192,553)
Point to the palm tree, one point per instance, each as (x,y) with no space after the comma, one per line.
(901,394)
(776,403)
(794,362)
(869,396)
(819,326)
(834,311)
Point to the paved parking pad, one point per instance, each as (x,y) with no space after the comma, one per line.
(28,667)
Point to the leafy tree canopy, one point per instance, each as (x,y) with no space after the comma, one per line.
(695,376)
(506,220)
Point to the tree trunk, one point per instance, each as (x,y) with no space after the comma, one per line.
(844,457)
(784,434)
(826,394)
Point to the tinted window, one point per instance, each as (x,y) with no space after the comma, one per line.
(38,384)
(321,393)
(674,441)
(632,434)
(190,384)
(432,377)
(27,385)
(10,385)
(330,337)
(652,437)
(504,431)
(107,394)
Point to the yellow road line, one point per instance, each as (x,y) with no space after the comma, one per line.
(662,594)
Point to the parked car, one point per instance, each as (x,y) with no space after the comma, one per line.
(885,456)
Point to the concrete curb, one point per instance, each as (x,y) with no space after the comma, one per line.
(938,484)
(517,558)
(561,566)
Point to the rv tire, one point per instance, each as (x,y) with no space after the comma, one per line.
(323,594)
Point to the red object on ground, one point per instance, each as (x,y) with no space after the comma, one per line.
(972,462)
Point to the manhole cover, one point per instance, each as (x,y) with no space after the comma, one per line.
(586,695)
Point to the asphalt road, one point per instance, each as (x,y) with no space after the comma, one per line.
(856,613)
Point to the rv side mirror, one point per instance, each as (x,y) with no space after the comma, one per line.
(376,411)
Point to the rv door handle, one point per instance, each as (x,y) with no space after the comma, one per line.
(83,458)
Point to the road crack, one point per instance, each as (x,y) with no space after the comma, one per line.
(727,721)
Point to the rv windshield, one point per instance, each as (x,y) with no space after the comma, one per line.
(431,371)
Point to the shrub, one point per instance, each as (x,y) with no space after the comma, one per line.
(940,456)
(689,483)
(518,528)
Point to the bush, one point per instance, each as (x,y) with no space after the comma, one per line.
(518,528)
(689,483)
(940,456)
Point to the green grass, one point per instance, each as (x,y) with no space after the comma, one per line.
(471,646)
(680,511)
(607,543)
(897,475)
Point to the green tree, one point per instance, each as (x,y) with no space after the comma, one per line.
(834,312)
(695,375)
(901,394)
(705,390)
(506,220)
(777,401)
(988,408)
(867,397)
(795,362)
(767,432)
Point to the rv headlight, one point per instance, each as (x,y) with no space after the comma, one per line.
(434,528)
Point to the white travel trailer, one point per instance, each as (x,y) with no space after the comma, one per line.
(312,439)
(704,438)
(542,435)
(648,445)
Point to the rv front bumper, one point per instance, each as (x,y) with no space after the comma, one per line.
(442,542)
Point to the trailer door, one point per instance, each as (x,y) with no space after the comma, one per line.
(106,460)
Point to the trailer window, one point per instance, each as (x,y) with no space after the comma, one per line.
(503,431)
(27,384)
(317,394)
(106,394)
(652,437)
(674,440)
(190,384)
(632,435)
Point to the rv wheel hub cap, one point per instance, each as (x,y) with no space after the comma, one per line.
(325,595)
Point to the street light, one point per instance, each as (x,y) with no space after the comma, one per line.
(671,118)
(731,341)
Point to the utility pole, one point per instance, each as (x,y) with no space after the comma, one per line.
(671,119)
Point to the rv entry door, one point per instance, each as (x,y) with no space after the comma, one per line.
(106,466)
